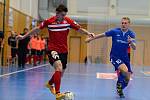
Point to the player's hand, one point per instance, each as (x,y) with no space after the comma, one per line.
(91,35)
(130,39)
(19,37)
(88,40)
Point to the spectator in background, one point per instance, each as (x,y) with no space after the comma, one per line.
(28,58)
(12,42)
(43,46)
(38,48)
(22,49)
(33,42)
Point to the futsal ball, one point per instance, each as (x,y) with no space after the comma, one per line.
(69,95)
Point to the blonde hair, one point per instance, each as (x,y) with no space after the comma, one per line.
(127,18)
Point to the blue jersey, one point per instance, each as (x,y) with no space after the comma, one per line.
(119,42)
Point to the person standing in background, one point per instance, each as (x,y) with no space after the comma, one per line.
(22,49)
(12,42)
(33,46)
(28,59)
(38,48)
(43,46)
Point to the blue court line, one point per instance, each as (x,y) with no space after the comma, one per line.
(23,70)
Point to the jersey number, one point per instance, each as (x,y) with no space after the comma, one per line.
(55,55)
(118,61)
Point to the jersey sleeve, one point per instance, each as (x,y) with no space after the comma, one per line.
(132,35)
(73,24)
(44,24)
(109,33)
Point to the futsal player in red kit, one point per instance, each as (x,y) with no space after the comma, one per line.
(58,27)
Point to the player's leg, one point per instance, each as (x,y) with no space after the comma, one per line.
(56,78)
(29,56)
(118,65)
(41,56)
(63,58)
(124,74)
(123,78)
(13,55)
(34,55)
(19,58)
(38,56)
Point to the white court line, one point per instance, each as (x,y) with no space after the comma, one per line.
(23,70)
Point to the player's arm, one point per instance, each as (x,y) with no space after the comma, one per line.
(108,33)
(36,30)
(132,43)
(78,28)
(84,31)
(96,37)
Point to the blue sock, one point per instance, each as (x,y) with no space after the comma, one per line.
(121,79)
(125,84)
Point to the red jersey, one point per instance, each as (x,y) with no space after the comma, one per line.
(58,33)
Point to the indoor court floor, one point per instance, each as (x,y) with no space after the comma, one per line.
(87,82)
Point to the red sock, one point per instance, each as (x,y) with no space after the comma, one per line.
(57,80)
(51,81)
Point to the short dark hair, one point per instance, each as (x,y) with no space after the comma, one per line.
(62,8)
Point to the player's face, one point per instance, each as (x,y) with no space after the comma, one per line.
(125,24)
(60,15)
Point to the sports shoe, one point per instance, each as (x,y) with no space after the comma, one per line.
(51,88)
(120,90)
(60,96)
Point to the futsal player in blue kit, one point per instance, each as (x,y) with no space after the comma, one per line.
(122,37)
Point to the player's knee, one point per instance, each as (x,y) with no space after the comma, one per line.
(123,68)
(58,66)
